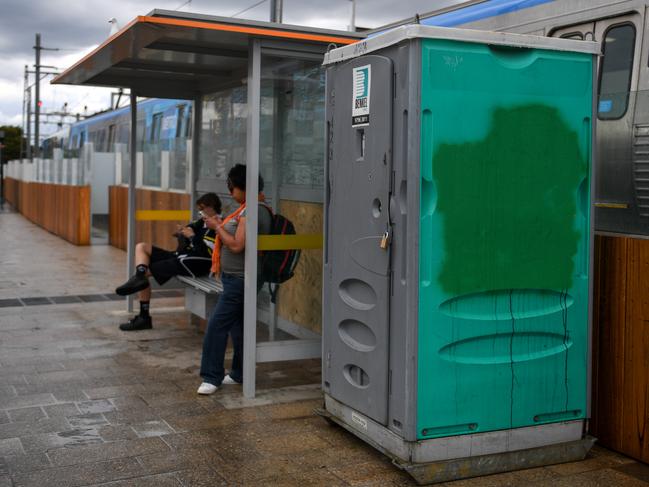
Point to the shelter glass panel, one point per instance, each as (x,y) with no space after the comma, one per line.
(291,158)
(223,133)
(151,172)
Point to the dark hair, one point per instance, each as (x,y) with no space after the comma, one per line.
(237,177)
(211,200)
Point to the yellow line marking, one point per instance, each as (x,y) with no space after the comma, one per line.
(163,215)
(618,206)
(286,242)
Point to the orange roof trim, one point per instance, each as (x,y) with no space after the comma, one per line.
(110,39)
(248,30)
(214,26)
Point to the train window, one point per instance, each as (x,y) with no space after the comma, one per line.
(111,137)
(189,124)
(82,139)
(156,126)
(615,72)
(100,142)
(180,120)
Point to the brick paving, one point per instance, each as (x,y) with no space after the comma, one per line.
(83,404)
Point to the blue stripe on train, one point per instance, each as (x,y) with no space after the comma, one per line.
(491,8)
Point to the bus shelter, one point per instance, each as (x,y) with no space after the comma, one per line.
(258,96)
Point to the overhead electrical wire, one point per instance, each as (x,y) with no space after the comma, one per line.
(248,8)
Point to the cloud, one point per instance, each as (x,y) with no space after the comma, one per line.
(76,26)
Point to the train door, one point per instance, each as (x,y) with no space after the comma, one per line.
(616,199)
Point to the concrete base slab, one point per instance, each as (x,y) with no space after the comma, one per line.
(433,461)
(436,472)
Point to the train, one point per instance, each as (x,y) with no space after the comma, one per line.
(621,196)
(163,122)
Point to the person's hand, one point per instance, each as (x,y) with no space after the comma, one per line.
(213,222)
(187,232)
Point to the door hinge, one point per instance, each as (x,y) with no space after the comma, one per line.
(328,359)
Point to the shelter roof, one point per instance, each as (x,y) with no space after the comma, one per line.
(169,54)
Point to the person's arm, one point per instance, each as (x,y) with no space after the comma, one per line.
(199,246)
(237,242)
(198,231)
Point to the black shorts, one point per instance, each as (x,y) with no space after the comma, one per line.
(165,264)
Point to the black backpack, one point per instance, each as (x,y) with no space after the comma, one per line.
(278,266)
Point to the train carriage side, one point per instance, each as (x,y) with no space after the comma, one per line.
(622,138)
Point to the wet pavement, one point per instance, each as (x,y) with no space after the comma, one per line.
(82,403)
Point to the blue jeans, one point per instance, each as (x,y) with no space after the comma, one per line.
(227,318)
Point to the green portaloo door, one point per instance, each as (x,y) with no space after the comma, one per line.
(504,254)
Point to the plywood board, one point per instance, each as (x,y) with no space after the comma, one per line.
(300,298)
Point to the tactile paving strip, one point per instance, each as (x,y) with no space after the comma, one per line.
(80,298)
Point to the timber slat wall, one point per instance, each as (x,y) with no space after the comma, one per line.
(159,233)
(61,209)
(11,192)
(620,402)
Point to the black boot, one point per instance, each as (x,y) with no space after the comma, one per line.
(136,283)
(139,322)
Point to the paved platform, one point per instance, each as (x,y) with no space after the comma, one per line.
(83,404)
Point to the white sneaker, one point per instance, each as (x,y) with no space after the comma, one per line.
(206,388)
(228,381)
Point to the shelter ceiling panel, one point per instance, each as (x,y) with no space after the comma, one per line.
(150,86)
(191,61)
(190,69)
(197,47)
(161,76)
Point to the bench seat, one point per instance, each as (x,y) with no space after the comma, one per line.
(201,294)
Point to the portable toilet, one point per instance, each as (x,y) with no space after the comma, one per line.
(458,267)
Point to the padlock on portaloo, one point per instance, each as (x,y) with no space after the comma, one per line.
(385,240)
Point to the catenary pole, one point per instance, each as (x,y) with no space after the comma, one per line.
(37,97)
(28,136)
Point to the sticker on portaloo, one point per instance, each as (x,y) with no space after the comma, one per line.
(362,86)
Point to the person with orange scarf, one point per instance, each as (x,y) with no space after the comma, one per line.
(228,262)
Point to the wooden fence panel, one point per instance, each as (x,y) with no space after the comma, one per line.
(635,418)
(60,209)
(159,233)
(117,216)
(621,345)
(609,324)
(12,192)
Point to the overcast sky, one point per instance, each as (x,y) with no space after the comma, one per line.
(76,27)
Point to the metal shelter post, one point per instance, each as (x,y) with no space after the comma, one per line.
(130,243)
(252,188)
(197,116)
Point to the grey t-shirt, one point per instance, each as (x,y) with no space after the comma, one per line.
(232,263)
